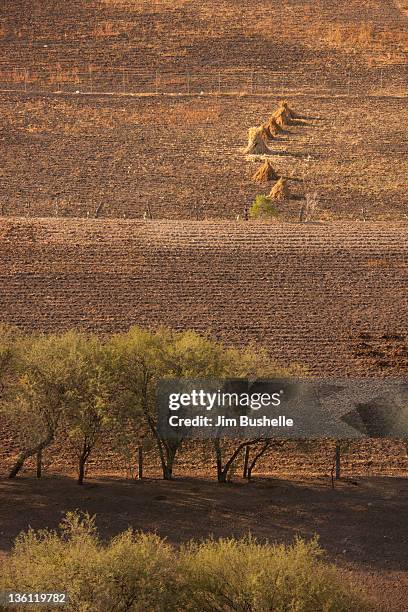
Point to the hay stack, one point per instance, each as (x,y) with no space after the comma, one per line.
(269,135)
(289,111)
(265,173)
(284,115)
(280,191)
(274,127)
(257,142)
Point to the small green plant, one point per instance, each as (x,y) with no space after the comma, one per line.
(263,208)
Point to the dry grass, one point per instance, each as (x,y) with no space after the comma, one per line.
(274,127)
(283,116)
(380,262)
(265,173)
(62,117)
(142,6)
(280,191)
(367,36)
(257,141)
(106,29)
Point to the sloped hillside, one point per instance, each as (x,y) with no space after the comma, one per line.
(186,34)
(183,157)
(342,64)
(331,298)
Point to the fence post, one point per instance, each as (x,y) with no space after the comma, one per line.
(25,79)
(140,462)
(219,82)
(188,83)
(90,78)
(157,82)
(348,84)
(338,462)
(381,80)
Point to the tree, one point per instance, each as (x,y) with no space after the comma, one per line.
(9,342)
(145,357)
(90,395)
(139,364)
(39,394)
(252,362)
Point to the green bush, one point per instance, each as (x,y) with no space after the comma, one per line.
(246,575)
(263,208)
(137,571)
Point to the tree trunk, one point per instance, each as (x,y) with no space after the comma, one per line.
(26,454)
(167,472)
(170,455)
(160,446)
(83,458)
(255,460)
(246,461)
(222,472)
(81,470)
(218,459)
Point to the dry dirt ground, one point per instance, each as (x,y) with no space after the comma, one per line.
(186,34)
(328,296)
(362,524)
(183,157)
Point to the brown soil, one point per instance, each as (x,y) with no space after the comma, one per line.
(361,524)
(69,155)
(187,35)
(331,297)
(65,156)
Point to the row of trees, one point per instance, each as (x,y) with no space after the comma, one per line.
(76,388)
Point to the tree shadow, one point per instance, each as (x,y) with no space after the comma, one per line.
(363,523)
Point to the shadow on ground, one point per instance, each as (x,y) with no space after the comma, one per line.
(363,521)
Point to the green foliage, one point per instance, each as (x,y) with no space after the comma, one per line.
(91,389)
(137,571)
(10,344)
(244,575)
(263,208)
(80,386)
(60,380)
(40,390)
(134,572)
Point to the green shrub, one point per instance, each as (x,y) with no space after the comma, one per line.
(246,575)
(263,208)
(139,572)
(135,571)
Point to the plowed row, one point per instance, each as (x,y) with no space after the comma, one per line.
(186,35)
(331,297)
